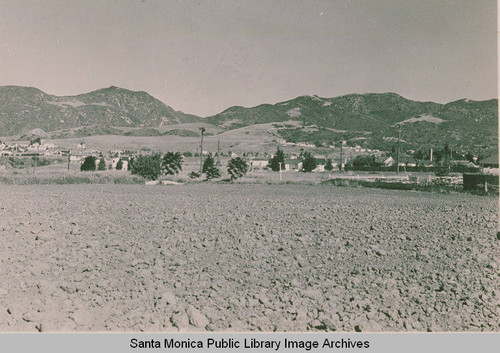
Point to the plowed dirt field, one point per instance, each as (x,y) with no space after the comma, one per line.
(246,258)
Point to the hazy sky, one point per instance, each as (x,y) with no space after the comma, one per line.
(203,56)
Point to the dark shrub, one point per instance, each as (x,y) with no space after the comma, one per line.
(88,164)
(237,167)
(149,166)
(172,163)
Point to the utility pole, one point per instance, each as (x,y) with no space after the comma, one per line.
(341,155)
(218,152)
(281,178)
(397,152)
(69,158)
(202,129)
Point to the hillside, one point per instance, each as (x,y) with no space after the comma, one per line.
(369,119)
(25,108)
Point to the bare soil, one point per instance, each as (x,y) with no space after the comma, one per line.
(246,258)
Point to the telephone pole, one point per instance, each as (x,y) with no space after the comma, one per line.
(341,155)
(69,158)
(202,129)
(397,152)
(218,152)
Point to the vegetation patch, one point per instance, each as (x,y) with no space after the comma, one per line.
(441,188)
(181,132)
(87,178)
(143,132)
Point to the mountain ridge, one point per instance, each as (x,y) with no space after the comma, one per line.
(464,123)
(368,118)
(26,108)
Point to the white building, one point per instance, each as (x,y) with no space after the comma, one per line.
(259,163)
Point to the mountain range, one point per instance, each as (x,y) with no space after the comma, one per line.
(372,120)
(25,108)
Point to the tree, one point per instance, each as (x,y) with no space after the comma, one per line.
(437,156)
(364,161)
(209,162)
(274,163)
(102,164)
(470,157)
(149,166)
(237,167)
(212,173)
(309,162)
(172,163)
(36,140)
(419,155)
(329,165)
(209,168)
(119,164)
(88,164)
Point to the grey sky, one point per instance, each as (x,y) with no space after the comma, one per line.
(203,56)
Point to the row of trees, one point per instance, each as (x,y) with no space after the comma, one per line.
(152,166)
(89,164)
(309,163)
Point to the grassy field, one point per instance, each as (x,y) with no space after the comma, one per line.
(58,173)
(260,138)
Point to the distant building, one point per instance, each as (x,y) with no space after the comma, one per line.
(320,160)
(404,161)
(389,162)
(293,164)
(114,162)
(319,168)
(47,146)
(258,163)
(463,163)
(490,164)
